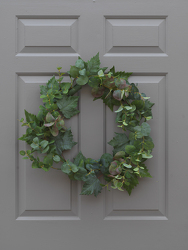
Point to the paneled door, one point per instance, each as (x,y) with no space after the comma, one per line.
(44,210)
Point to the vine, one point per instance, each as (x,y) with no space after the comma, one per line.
(47,134)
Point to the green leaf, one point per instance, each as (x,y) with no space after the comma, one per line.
(148,144)
(54,130)
(118,142)
(136,169)
(73,167)
(79,64)
(68,105)
(146,156)
(139,104)
(75,89)
(144,172)
(130,149)
(43,144)
(22,152)
(108,158)
(65,168)
(127,165)
(119,109)
(43,96)
(49,117)
(127,175)
(36,140)
(148,118)
(78,158)
(49,124)
(108,99)
(56,158)
(100,73)
(53,84)
(112,70)
(82,72)
(25,158)
(146,98)
(94,64)
(143,130)
(119,155)
(65,86)
(74,72)
(91,186)
(68,167)
(48,160)
(30,117)
(64,141)
(133,182)
(128,107)
(45,150)
(40,115)
(35,165)
(60,124)
(82,80)
(81,174)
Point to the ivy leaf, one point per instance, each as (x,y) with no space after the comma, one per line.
(132,182)
(53,84)
(112,70)
(106,159)
(78,158)
(94,82)
(139,104)
(122,74)
(94,64)
(92,186)
(108,99)
(118,142)
(64,141)
(68,105)
(65,86)
(144,172)
(30,117)
(40,115)
(81,174)
(82,80)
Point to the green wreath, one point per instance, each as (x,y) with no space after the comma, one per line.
(47,134)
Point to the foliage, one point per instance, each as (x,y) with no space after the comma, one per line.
(48,136)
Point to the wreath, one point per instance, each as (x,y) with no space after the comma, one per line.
(47,134)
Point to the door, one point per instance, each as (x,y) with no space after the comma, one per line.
(40,210)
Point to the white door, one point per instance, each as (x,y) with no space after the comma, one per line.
(40,210)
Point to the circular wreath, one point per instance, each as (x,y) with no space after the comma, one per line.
(47,134)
